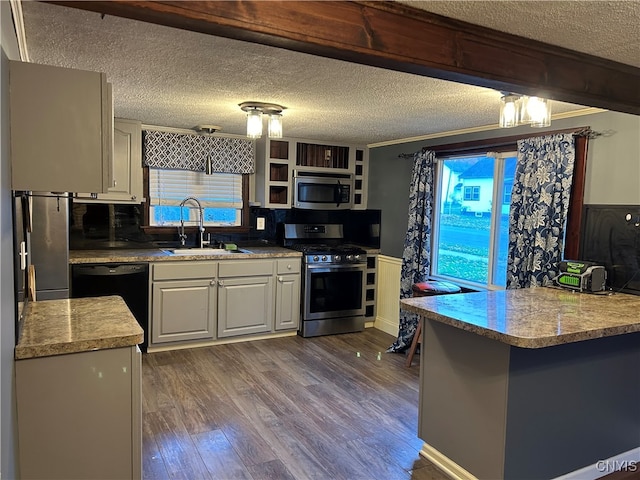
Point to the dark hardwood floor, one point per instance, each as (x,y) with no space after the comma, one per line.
(335,407)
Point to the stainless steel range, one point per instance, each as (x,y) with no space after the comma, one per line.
(333,281)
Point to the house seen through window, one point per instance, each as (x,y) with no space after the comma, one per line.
(219,194)
(471,218)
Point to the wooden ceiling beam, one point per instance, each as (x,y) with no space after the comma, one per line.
(402,38)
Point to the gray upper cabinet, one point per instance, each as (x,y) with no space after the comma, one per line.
(127,166)
(61,129)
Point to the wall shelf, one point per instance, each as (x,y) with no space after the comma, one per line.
(325,156)
(370,289)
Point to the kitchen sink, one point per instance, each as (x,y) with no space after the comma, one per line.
(204,251)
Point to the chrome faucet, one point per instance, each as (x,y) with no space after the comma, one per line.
(182,235)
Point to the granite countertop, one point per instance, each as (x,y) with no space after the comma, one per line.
(533,317)
(160,255)
(57,327)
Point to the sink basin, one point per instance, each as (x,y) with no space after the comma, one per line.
(204,251)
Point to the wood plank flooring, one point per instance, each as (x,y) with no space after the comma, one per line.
(334,407)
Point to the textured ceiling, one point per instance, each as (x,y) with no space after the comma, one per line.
(170,77)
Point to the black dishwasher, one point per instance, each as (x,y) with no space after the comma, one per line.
(128,280)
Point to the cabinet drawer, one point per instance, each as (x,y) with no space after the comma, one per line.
(288,265)
(182,270)
(241,268)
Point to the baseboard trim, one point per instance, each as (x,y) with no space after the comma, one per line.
(211,343)
(386,325)
(629,460)
(445,464)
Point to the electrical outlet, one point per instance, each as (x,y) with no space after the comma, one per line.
(260,223)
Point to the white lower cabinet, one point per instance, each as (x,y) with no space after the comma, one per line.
(245,306)
(287,294)
(204,300)
(245,294)
(183,301)
(183,310)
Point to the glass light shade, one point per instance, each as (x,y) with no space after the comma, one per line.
(275,125)
(254,123)
(509,111)
(537,112)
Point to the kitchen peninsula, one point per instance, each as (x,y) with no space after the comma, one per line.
(78,389)
(528,383)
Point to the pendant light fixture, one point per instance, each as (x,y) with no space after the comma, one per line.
(275,125)
(255,111)
(509,110)
(254,123)
(522,110)
(536,112)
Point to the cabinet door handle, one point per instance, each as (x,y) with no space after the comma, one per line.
(221,283)
(212,283)
(289,266)
(280,279)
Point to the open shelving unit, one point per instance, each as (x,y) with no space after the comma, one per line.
(370,289)
(276,160)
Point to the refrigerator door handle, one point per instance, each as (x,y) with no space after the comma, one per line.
(23,255)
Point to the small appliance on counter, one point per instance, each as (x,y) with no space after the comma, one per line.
(581,276)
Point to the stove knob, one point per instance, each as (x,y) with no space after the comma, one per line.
(356,257)
(337,258)
(350,257)
(316,258)
(324,258)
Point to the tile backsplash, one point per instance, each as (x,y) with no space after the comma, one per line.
(119,226)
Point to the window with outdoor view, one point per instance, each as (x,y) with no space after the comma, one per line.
(220,195)
(471,218)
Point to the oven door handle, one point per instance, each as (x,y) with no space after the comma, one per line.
(336,268)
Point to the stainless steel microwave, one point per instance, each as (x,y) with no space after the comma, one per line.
(322,191)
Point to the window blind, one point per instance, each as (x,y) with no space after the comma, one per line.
(219,190)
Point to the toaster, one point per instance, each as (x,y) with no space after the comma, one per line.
(581,276)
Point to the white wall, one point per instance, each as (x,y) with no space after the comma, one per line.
(8,463)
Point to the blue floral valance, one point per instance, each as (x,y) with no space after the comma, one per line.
(182,151)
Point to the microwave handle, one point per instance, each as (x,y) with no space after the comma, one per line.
(338,193)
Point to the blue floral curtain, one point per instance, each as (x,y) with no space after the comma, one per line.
(539,206)
(417,243)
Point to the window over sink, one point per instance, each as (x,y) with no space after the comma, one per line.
(221,196)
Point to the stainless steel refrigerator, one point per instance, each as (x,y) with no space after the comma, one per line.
(41,228)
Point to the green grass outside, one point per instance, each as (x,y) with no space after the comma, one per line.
(469,221)
(459,267)
(472,268)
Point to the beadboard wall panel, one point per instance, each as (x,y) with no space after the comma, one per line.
(388,294)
